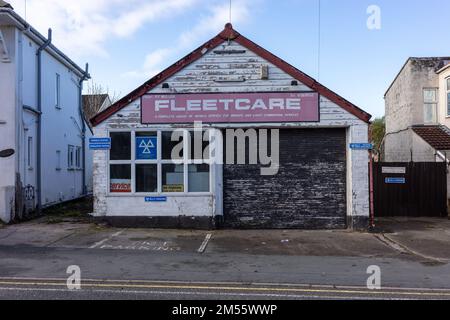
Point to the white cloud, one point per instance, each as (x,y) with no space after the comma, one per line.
(82,27)
(211,23)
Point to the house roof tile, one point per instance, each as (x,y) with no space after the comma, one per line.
(437,137)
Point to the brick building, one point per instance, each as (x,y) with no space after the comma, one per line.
(418,113)
(246,99)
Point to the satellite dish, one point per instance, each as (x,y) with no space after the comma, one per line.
(6,153)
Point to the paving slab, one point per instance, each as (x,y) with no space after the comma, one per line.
(424,236)
(300,243)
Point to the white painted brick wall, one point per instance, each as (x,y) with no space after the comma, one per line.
(332,116)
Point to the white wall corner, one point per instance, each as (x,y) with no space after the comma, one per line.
(358,175)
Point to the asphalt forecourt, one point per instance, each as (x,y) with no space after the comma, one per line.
(28,288)
(91,236)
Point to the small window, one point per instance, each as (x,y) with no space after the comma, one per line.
(448,96)
(430,105)
(30,153)
(58,160)
(172,145)
(448,103)
(147,146)
(172,178)
(198,178)
(78,156)
(120,178)
(70,157)
(146,178)
(199,145)
(58,91)
(120,146)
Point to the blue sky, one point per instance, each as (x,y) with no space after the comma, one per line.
(126,42)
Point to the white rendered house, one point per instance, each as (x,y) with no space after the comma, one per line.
(42,130)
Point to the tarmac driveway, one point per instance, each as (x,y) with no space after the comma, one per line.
(426,240)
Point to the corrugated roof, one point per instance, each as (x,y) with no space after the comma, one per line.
(437,137)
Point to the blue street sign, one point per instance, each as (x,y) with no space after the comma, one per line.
(146,148)
(93,146)
(361,146)
(99,143)
(395,180)
(100,140)
(155,199)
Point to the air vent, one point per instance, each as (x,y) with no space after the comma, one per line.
(264,72)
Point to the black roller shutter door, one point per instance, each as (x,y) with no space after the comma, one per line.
(309,192)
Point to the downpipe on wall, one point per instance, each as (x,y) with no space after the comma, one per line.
(83,119)
(39,121)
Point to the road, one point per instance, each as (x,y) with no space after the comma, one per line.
(23,289)
(40,273)
(226,264)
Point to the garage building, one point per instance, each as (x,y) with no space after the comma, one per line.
(248,100)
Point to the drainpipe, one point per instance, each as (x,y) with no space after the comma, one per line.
(371,192)
(39,121)
(85,77)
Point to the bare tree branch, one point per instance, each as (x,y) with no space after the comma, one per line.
(95,97)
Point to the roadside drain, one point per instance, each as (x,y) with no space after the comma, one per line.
(386,240)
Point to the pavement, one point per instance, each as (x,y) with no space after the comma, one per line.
(412,254)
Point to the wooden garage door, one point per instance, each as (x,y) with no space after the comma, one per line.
(309,192)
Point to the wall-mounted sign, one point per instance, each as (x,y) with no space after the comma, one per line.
(155,199)
(361,146)
(6,153)
(231,107)
(391,170)
(146,148)
(395,181)
(120,185)
(173,188)
(99,143)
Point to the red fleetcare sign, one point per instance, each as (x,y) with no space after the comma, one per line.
(231,108)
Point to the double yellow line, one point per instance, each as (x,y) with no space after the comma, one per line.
(111,284)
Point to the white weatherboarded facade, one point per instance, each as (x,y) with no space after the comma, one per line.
(225,73)
(61,137)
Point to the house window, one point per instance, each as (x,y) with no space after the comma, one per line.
(448,97)
(430,105)
(70,157)
(78,155)
(58,160)
(30,153)
(155,162)
(58,91)
(120,178)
